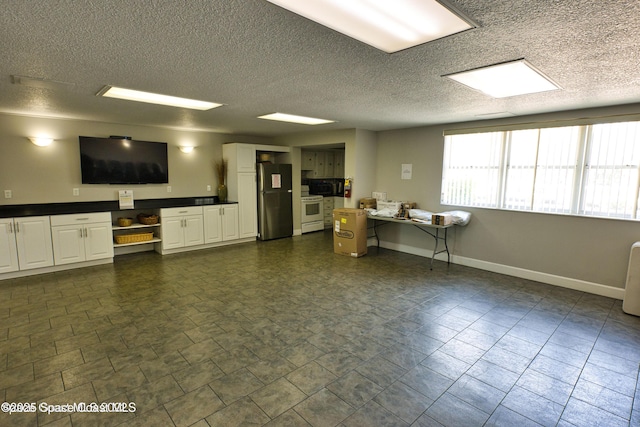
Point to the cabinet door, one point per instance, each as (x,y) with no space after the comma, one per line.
(212,224)
(328,165)
(247,205)
(172,233)
(318,170)
(98,242)
(33,238)
(8,249)
(308,160)
(246,157)
(229,218)
(338,164)
(68,244)
(193,230)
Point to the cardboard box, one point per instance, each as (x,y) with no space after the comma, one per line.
(406,207)
(368,202)
(441,219)
(350,232)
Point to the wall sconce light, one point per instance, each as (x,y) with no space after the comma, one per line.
(41,141)
(186,148)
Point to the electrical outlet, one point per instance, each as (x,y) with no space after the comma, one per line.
(7,194)
(76,191)
(168,189)
(208,188)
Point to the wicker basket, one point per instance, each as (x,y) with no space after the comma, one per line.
(147,219)
(133,238)
(125,222)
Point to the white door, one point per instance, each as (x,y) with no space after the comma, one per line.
(98,242)
(247,205)
(212,224)
(172,233)
(68,244)
(230,222)
(33,238)
(193,230)
(8,249)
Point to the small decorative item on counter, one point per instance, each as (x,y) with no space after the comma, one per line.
(221,170)
(147,219)
(125,222)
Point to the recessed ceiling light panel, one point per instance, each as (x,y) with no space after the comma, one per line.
(155,98)
(387,25)
(506,79)
(290,118)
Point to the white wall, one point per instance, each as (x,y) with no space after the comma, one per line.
(584,253)
(49,174)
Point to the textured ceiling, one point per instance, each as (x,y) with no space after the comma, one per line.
(257,58)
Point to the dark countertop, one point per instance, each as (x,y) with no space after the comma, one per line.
(10,211)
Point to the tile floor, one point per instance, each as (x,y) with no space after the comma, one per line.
(285,333)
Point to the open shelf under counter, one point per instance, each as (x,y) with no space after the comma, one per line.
(133,226)
(145,242)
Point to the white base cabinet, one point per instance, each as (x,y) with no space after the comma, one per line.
(44,244)
(220,223)
(25,243)
(8,246)
(83,237)
(181,227)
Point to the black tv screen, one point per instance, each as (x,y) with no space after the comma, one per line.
(123,161)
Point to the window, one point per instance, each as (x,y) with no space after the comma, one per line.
(588,170)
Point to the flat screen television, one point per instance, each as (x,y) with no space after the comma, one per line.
(123,161)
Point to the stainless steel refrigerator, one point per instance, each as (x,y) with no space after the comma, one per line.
(275,211)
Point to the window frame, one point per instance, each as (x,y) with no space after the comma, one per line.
(580,175)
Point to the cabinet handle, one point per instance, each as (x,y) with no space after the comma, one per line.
(80,230)
(17,227)
(81,219)
(86,234)
(183,211)
(10,227)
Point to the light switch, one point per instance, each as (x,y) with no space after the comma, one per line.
(168,189)
(76,191)
(7,194)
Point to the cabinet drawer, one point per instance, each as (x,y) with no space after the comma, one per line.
(189,210)
(57,220)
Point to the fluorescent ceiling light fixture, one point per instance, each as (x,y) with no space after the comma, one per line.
(386,25)
(505,79)
(290,118)
(155,98)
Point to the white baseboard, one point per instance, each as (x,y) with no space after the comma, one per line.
(551,279)
(205,246)
(55,268)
